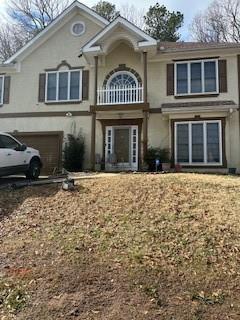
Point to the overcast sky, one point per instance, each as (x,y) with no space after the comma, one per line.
(188,7)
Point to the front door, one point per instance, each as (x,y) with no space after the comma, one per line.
(121,152)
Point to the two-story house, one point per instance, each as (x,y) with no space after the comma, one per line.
(125,92)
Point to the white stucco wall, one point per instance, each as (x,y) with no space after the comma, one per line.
(61,46)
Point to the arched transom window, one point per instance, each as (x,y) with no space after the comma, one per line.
(122,79)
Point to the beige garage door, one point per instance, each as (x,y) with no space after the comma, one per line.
(49,145)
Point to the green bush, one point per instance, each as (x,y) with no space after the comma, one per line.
(156,153)
(74,153)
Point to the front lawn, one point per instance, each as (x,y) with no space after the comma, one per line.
(125,247)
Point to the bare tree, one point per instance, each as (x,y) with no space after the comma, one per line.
(26,18)
(133,14)
(11,39)
(35,15)
(220,22)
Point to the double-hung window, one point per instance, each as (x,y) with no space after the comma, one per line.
(1,89)
(198,142)
(196,77)
(64,86)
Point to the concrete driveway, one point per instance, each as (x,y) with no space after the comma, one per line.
(6,181)
(10,180)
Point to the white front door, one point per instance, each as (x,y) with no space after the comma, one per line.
(121,150)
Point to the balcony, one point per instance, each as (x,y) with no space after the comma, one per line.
(118,95)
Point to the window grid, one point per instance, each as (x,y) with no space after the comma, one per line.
(109,142)
(122,79)
(69,85)
(1,89)
(134,145)
(188,63)
(205,145)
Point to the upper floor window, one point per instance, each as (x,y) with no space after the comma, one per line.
(63,86)
(196,77)
(78,28)
(1,89)
(122,79)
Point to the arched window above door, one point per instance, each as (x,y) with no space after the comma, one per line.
(122,79)
(123,85)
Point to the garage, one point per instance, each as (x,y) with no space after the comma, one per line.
(49,145)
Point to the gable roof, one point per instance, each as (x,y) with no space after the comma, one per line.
(75,5)
(146,40)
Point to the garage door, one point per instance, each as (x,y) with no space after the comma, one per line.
(49,145)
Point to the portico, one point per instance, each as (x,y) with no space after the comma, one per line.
(120,93)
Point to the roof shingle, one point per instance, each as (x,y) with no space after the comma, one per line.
(182,46)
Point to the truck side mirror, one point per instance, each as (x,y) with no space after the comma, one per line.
(22,147)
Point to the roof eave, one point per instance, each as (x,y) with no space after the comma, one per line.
(147,42)
(223,108)
(8,67)
(197,49)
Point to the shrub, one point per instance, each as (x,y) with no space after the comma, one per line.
(74,153)
(156,153)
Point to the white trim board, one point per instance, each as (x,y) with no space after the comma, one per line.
(212,109)
(2,89)
(147,41)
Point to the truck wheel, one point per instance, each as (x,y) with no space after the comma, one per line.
(34,170)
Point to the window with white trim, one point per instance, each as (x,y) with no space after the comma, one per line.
(196,77)
(63,86)
(1,89)
(78,28)
(122,79)
(198,142)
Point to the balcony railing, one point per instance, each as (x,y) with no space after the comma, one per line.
(120,95)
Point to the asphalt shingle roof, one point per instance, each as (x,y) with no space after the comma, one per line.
(181,46)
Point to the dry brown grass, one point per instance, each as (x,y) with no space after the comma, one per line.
(124,247)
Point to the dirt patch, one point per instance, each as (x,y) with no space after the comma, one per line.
(124,247)
(88,290)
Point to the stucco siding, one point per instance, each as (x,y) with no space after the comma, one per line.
(121,54)
(158,134)
(231,133)
(157,84)
(61,46)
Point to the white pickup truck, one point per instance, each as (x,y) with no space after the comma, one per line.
(16,158)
